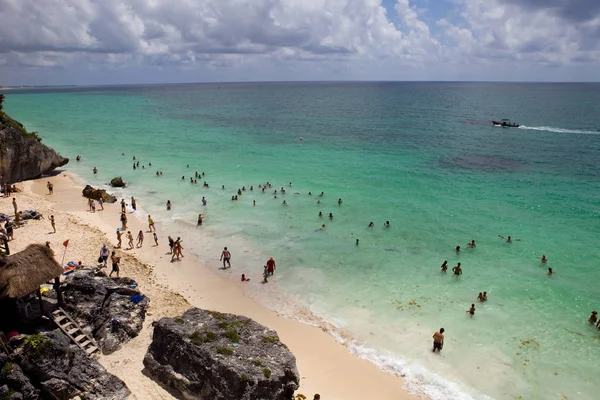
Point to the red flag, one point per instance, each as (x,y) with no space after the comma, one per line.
(66,243)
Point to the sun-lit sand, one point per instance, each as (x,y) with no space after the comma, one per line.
(326,367)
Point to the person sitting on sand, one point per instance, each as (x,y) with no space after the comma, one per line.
(244,279)
(544,259)
(471,310)
(471,244)
(445,266)
(438,340)
(593,319)
(457,270)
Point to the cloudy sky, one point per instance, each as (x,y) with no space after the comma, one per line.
(144,41)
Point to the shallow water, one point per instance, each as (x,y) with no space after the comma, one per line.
(421,155)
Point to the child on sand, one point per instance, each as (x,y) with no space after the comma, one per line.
(244,279)
(130,239)
(155,238)
(265,275)
(140,238)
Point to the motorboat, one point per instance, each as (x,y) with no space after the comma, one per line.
(505,123)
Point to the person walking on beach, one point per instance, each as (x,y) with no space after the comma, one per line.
(265,274)
(50,187)
(104,252)
(14,203)
(155,238)
(133,204)
(53,223)
(151,226)
(115,264)
(226,257)
(457,270)
(101,202)
(438,340)
(271,266)
(119,234)
(177,250)
(130,239)
(123,221)
(171,244)
(140,238)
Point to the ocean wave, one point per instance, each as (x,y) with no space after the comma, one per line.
(559,130)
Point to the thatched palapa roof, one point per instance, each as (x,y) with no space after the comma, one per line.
(24,272)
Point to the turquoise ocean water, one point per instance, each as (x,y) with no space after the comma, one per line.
(423,156)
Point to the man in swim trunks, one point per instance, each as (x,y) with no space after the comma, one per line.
(457,270)
(438,340)
(226,257)
(115,264)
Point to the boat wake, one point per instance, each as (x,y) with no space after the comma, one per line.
(559,130)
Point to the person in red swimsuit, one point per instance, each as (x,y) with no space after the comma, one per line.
(271,266)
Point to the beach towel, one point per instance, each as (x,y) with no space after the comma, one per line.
(136,298)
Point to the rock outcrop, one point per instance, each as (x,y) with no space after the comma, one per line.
(23,156)
(117,182)
(95,194)
(48,366)
(110,310)
(209,355)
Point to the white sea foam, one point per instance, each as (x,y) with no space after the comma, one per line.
(559,130)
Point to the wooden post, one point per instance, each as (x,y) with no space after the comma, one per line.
(57,290)
(39,293)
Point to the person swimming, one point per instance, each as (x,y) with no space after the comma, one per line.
(330,216)
(371,224)
(471,244)
(457,249)
(387,224)
(550,272)
(544,259)
(593,318)
(445,266)
(340,202)
(320,213)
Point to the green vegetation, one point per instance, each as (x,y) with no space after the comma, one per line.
(267,372)
(6,120)
(270,339)
(244,378)
(179,320)
(37,342)
(236,324)
(198,338)
(217,315)
(8,367)
(223,324)
(224,351)
(232,335)
(258,363)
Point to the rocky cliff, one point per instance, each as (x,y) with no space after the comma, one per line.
(210,355)
(49,366)
(22,155)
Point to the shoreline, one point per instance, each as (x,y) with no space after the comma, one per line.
(180,285)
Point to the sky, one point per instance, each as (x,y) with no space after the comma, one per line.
(88,42)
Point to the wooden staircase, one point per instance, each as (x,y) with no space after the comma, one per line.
(74,332)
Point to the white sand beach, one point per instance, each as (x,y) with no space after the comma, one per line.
(326,366)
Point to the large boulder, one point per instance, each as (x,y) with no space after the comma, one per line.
(95,194)
(22,155)
(210,355)
(49,366)
(117,182)
(111,310)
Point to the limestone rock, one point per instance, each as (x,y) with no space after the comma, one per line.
(24,157)
(95,194)
(48,366)
(103,307)
(117,182)
(209,355)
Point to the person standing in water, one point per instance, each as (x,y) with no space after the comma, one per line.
(593,319)
(133,204)
(168,205)
(457,270)
(544,259)
(471,310)
(200,219)
(271,266)
(226,257)
(438,340)
(445,266)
